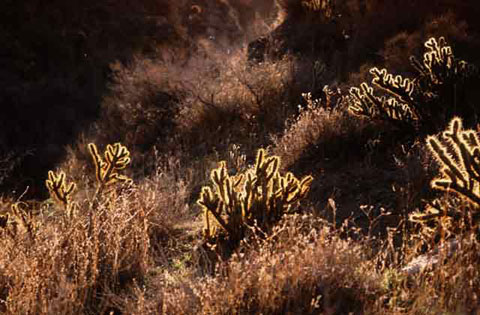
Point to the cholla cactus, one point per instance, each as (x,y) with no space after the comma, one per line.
(414,101)
(366,103)
(458,153)
(59,189)
(325,6)
(23,220)
(260,195)
(440,65)
(460,172)
(400,87)
(117,157)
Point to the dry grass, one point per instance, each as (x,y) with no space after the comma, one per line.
(84,261)
(73,266)
(302,268)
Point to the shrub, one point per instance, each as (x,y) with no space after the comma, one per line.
(245,103)
(321,133)
(141,105)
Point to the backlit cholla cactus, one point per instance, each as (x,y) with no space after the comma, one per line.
(366,103)
(439,65)
(260,195)
(61,191)
(116,158)
(458,152)
(415,101)
(460,172)
(325,6)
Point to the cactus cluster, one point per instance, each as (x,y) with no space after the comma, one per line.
(366,103)
(439,64)
(116,158)
(414,101)
(260,195)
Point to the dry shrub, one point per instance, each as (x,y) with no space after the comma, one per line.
(172,225)
(415,168)
(73,266)
(243,103)
(304,268)
(141,105)
(445,279)
(321,133)
(452,286)
(397,48)
(361,75)
(87,254)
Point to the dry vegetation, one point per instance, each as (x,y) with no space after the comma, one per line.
(232,157)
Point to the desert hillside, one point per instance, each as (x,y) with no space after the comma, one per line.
(240,157)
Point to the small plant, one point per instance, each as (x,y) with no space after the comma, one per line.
(22,220)
(423,101)
(325,6)
(58,187)
(61,191)
(259,196)
(116,158)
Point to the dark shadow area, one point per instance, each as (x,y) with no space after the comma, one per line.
(55,67)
